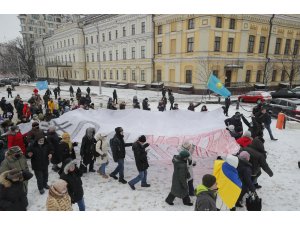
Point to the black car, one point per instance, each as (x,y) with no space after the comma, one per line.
(286,106)
(284,93)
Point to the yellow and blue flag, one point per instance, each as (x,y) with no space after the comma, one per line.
(215,85)
(228,181)
(42,85)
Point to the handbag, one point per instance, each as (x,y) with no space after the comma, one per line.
(253,203)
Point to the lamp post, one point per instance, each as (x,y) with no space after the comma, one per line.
(99,61)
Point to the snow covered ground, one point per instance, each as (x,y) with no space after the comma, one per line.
(279,193)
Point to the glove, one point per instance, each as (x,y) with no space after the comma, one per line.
(146,145)
(75,144)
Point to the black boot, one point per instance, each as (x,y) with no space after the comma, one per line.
(121,180)
(113,176)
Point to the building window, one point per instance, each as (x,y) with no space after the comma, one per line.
(72,41)
(188,76)
(142,52)
(93,59)
(287,46)
(103,37)
(110,74)
(277,46)
(86,41)
(88,74)
(158,72)
(248,76)
(116,34)
(262,45)
(93,73)
(109,35)
(159,29)
(60,44)
(133,52)
(124,31)
(190,44)
(251,44)
(173,27)
(117,75)
(159,47)
(258,75)
(110,55)
(283,75)
(133,75)
(92,40)
(124,53)
(296,47)
(104,56)
(68,42)
(274,75)
(143,28)
(97,38)
(230,45)
(73,57)
(219,22)
(117,55)
(98,56)
(142,75)
(124,74)
(216,73)
(87,57)
(70,60)
(232,24)
(104,74)
(217,44)
(133,29)
(191,24)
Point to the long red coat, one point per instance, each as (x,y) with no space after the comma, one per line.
(16,140)
(244,141)
(26,111)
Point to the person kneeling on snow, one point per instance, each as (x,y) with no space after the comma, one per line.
(206,194)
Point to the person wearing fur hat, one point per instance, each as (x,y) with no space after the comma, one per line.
(206,194)
(53,140)
(88,148)
(66,147)
(245,140)
(190,164)
(14,158)
(58,198)
(40,154)
(117,145)
(12,195)
(16,138)
(102,150)
(72,175)
(180,187)
(141,161)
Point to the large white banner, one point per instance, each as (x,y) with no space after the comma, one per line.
(165,131)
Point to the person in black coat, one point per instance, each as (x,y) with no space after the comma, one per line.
(40,155)
(58,90)
(163,92)
(192,106)
(227,104)
(88,148)
(72,175)
(141,161)
(53,140)
(161,106)
(171,99)
(48,92)
(146,104)
(235,120)
(12,194)
(67,147)
(267,122)
(115,96)
(9,110)
(88,90)
(19,108)
(9,92)
(55,91)
(71,89)
(117,145)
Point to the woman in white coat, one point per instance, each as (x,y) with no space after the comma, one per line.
(102,149)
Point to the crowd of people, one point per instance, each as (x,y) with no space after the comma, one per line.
(45,147)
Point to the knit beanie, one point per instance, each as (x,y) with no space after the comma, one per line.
(247,133)
(184,154)
(244,155)
(208,180)
(60,186)
(142,138)
(186,145)
(14,150)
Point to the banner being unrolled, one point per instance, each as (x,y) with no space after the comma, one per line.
(165,131)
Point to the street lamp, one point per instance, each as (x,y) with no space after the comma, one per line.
(99,64)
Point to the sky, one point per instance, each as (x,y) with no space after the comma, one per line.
(9,27)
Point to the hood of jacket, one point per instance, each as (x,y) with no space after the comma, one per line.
(55,194)
(90,132)
(68,165)
(6,183)
(201,189)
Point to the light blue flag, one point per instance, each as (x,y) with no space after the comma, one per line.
(215,85)
(42,85)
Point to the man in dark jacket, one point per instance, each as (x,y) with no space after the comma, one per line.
(192,106)
(53,141)
(115,96)
(141,161)
(258,157)
(265,117)
(9,110)
(227,104)
(46,98)
(235,120)
(48,92)
(88,90)
(72,175)
(180,187)
(71,89)
(163,92)
(206,194)
(9,92)
(146,104)
(117,145)
(171,99)
(19,108)
(88,148)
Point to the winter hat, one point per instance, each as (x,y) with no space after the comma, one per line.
(142,138)
(14,150)
(184,154)
(208,180)
(232,160)
(14,128)
(39,136)
(186,145)
(51,129)
(247,133)
(244,155)
(14,174)
(60,186)
(41,116)
(35,117)
(118,130)
(35,124)
(231,128)
(67,164)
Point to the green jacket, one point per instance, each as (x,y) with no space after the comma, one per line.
(180,176)
(206,199)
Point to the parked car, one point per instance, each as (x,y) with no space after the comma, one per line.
(255,96)
(296,90)
(6,81)
(285,93)
(288,106)
(2,84)
(14,81)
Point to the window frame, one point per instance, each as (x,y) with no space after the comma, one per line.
(217,44)
(190,44)
(251,44)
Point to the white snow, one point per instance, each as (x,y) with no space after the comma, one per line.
(279,193)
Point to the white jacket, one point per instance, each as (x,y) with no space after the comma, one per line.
(103,158)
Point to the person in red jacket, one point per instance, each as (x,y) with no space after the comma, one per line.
(26,111)
(245,140)
(15,138)
(35,91)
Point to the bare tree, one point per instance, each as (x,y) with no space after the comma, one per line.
(269,72)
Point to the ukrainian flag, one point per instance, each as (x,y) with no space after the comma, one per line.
(228,181)
(215,85)
(42,85)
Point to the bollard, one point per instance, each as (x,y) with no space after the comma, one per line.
(280,121)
